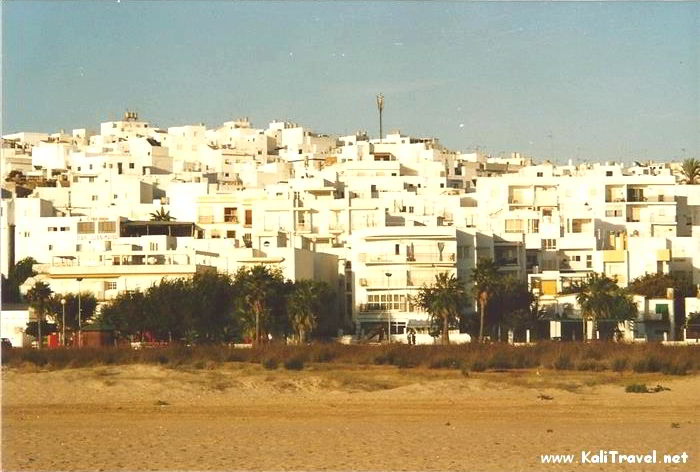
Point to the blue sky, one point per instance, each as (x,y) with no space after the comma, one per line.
(587,81)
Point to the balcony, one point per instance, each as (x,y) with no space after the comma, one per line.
(231,219)
(418,257)
(205,219)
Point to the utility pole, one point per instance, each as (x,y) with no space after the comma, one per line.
(380,107)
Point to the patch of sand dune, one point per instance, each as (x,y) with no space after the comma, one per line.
(239,416)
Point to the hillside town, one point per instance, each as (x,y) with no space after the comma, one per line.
(375,218)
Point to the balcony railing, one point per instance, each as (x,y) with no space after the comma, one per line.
(415,257)
(230,219)
(205,219)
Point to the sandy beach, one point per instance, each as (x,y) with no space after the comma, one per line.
(239,416)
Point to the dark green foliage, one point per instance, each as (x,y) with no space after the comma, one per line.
(270,363)
(637,388)
(563,362)
(443,300)
(46,328)
(619,364)
(295,363)
(478,366)
(592,365)
(88,304)
(16,276)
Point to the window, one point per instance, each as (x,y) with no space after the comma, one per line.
(540,174)
(94,198)
(52,229)
(514,226)
(249,217)
(107,227)
(64,228)
(110,285)
(230,215)
(230,234)
(86,227)
(608,173)
(215,234)
(78,247)
(589,261)
(397,249)
(50,247)
(131,165)
(549,244)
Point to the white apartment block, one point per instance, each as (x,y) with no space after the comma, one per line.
(348,210)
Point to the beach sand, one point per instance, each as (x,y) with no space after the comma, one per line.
(329,417)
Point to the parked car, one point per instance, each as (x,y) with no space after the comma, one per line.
(6,344)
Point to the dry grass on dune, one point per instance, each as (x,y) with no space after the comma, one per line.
(599,357)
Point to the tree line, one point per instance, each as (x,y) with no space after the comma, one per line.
(506,303)
(255,304)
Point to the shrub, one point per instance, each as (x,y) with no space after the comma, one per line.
(295,363)
(595,366)
(677,368)
(619,364)
(478,366)
(563,362)
(500,360)
(270,363)
(637,388)
(650,364)
(445,363)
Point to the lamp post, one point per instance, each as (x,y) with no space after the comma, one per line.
(380,107)
(63,322)
(388,284)
(80,322)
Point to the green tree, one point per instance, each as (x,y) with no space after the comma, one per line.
(169,308)
(512,306)
(16,276)
(161,215)
(307,303)
(261,302)
(88,305)
(443,300)
(126,314)
(39,298)
(600,298)
(214,318)
(691,171)
(486,281)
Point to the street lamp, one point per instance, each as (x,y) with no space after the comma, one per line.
(388,284)
(63,323)
(380,107)
(80,322)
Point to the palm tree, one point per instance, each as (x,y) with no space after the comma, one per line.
(39,298)
(259,284)
(161,215)
(601,298)
(443,301)
(486,277)
(302,305)
(691,171)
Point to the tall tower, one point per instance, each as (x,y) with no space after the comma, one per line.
(380,107)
